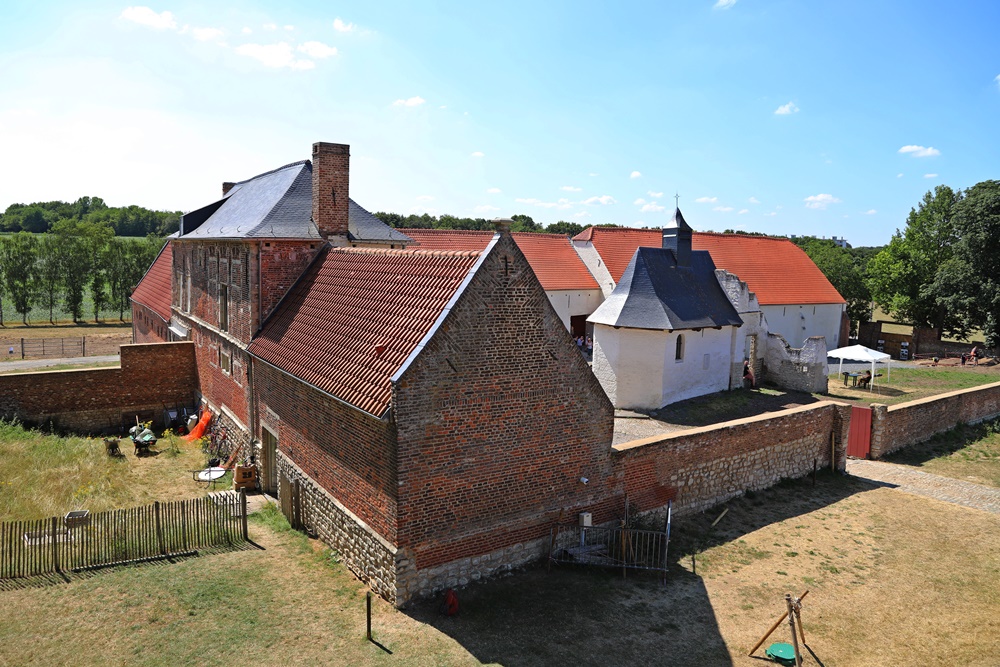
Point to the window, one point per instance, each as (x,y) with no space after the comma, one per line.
(225,362)
(679,351)
(224,307)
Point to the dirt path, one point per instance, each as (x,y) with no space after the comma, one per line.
(920,483)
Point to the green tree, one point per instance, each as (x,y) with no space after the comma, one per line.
(77,244)
(49,276)
(128,261)
(840,268)
(524,223)
(902,276)
(970,282)
(565,228)
(18,257)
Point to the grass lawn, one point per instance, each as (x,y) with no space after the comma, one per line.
(970,452)
(59,367)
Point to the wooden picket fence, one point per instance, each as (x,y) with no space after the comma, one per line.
(117,537)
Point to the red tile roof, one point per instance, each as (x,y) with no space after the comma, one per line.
(776,269)
(355,317)
(154,291)
(551,256)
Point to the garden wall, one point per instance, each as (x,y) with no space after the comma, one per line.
(97,400)
(711,464)
(909,423)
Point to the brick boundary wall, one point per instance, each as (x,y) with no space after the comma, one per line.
(897,426)
(367,554)
(95,400)
(711,464)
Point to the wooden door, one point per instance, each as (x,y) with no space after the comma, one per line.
(859,440)
(269,479)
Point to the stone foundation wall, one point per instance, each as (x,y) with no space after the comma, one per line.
(366,553)
(906,424)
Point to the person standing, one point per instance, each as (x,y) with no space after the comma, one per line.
(748,374)
(975,356)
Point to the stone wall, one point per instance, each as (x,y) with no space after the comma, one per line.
(905,424)
(709,465)
(366,553)
(798,369)
(97,400)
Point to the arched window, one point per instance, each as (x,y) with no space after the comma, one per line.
(679,353)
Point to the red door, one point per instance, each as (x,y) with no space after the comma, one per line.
(860,439)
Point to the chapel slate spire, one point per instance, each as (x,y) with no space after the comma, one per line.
(677,237)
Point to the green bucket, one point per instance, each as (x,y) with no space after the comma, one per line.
(783,654)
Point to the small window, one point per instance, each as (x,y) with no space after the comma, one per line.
(224,307)
(225,362)
(679,351)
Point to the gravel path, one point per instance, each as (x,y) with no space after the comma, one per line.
(907,479)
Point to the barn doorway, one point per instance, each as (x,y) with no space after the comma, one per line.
(578,325)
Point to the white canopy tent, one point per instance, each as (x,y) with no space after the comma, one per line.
(861,353)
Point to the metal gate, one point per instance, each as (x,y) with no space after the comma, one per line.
(626,548)
(859,441)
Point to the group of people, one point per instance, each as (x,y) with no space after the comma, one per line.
(973,356)
(585,344)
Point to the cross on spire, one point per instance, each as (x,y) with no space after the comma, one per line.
(677,201)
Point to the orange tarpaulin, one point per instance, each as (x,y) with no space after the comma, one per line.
(199,429)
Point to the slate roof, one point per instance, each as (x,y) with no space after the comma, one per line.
(777,270)
(551,256)
(154,291)
(656,293)
(356,316)
(278,204)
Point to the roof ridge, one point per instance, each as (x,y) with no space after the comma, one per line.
(272,171)
(746,236)
(407,251)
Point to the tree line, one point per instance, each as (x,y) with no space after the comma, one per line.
(40,217)
(59,269)
(519,223)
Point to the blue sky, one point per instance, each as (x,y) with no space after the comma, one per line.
(824,118)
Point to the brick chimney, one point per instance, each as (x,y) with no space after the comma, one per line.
(331,165)
(226,187)
(502,225)
(677,237)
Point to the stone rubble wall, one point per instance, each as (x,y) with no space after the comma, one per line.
(897,426)
(797,369)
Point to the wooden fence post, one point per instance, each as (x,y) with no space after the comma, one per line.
(22,348)
(55,544)
(159,529)
(243,513)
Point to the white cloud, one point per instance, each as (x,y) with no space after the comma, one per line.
(786,109)
(930,175)
(289,27)
(652,207)
(771,214)
(723,209)
(493,191)
(274,55)
(753,200)
(592,174)
(654,195)
(707,200)
(570,188)
(486,208)
(744,210)
(871,211)
(247,30)
(899,175)
(561,204)
(639,202)
(477,154)
(414,101)
(603,199)
(340,26)
(635,174)
(317,50)
(205,34)
(920,151)
(820,201)
(581,214)
(147,17)
(724,4)
(425,198)
(270,26)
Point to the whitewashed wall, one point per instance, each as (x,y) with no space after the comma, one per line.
(574,302)
(638,370)
(798,323)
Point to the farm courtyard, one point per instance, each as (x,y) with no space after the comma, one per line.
(893,578)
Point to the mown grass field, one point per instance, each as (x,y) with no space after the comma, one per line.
(892,577)
(969,451)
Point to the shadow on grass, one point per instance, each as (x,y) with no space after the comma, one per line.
(592,616)
(944,444)
(69,576)
(729,405)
